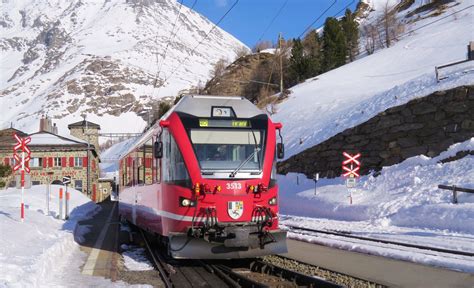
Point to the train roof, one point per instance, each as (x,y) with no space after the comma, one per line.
(202,106)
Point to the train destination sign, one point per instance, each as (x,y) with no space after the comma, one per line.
(224,123)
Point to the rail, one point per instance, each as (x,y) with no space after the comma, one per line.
(455,191)
(348,235)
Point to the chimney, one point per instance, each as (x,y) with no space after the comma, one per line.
(42,124)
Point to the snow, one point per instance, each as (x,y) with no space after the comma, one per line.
(51,139)
(403,203)
(42,251)
(131,34)
(135,258)
(328,104)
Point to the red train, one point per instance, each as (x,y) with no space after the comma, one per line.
(204,180)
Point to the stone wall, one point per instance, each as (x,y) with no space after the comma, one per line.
(427,125)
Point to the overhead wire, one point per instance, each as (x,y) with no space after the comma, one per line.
(319,17)
(172,35)
(343,9)
(273,20)
(200,42)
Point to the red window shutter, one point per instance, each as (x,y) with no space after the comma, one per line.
(45,162)
(71,161)
(50,162)
(84,162)
(63,162)
(93,164)
(7,161)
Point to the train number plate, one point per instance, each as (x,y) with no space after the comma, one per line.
(235,209)
(233,186)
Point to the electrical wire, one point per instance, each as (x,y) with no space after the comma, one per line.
(200,42)
(343,9)
(319,17)
(172,36)
(273,20)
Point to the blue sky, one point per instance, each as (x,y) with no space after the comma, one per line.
(250,18)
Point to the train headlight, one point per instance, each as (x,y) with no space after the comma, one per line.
(185,202)
(272,201)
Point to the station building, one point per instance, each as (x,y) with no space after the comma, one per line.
(54,156)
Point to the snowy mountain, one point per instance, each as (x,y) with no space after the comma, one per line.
(342,98)
(104,58)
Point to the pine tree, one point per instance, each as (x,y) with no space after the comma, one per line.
(334,45)
(298,67)
(351,31)
(312,52)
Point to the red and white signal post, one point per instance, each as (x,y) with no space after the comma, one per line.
(351,167)
(23,164)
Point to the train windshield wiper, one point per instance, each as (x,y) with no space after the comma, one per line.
(244,162)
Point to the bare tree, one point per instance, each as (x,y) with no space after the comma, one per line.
(390,25)
(219,68)
(371,37)
(262,46)
(241,52)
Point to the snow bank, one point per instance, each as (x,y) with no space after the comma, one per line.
(405,194)
(41,251)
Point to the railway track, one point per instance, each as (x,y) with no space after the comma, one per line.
(378,240)
(227,273)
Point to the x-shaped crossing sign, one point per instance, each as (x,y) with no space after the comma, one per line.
(354,165)
(23,160)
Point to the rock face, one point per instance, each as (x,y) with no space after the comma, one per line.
(235,79)
(427,125)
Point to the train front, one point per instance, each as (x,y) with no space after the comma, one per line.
(229,149)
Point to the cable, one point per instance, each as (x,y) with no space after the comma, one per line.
(271,22)
(172,35)
(319,17)
(343,9)
(202,40)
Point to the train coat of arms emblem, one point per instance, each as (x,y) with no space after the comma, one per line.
(235,209)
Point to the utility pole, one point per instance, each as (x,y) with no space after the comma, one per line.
(280,38)
(88,158)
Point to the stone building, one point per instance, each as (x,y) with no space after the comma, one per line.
(54,156)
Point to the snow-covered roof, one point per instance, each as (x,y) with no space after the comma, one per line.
(47,138)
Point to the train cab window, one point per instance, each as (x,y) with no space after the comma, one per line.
(175,171)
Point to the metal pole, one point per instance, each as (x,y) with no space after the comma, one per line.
(67,203)
(60,212)
(22,185)
(455,195)
(281,64)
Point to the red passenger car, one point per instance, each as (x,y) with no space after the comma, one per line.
(203,180)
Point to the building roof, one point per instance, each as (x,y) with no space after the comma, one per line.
(50,139)
(82,124)
(6,136)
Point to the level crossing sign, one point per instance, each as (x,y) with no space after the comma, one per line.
(22,164)
(351,165)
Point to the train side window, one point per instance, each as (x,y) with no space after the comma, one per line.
(147,161)
(177,172)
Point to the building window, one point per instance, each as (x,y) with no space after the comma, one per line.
(36,162)
(35,183)
(57,161)
(78,162)
(78,185)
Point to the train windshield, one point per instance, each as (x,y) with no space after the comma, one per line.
(228,149)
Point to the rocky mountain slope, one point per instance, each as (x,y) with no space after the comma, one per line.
(67,58)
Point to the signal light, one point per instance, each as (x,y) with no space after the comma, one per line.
(185,202)
(272,201)
(197,188)
(218,188)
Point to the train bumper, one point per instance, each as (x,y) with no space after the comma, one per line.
(181,246)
